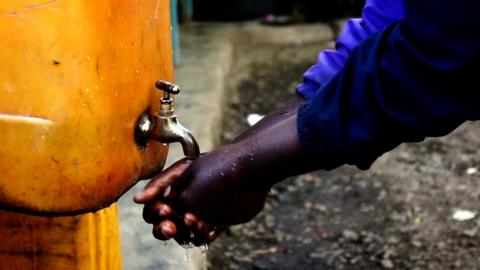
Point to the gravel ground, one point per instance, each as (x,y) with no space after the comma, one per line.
(397,215)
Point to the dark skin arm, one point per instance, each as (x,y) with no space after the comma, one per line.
(226,186)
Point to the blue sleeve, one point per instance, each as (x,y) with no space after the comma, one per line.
(376,15)
(413,80)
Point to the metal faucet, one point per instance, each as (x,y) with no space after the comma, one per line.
(165,128)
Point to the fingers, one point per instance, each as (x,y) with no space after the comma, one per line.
(192,231)
(200,233)
(203,229)
(159,184)
(203,235)
(153,213)
(165,230)
(190,220)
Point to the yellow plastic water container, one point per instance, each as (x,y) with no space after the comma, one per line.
(75,76)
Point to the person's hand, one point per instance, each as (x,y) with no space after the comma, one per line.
(168,223)
(219,188)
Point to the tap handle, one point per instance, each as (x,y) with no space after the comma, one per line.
(167,88)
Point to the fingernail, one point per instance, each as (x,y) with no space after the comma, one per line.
(167,232)
(189,220)
(167,192)
(163,212)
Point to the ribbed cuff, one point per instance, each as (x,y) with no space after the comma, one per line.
(313,142)
(310,138)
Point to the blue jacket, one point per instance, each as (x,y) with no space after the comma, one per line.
(413,79)
(376,15)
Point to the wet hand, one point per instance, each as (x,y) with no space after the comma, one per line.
(168,223)
(219,188)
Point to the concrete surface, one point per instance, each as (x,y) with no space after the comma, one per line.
(206,57)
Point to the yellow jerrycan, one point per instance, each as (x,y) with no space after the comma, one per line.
(75,78)
(77,107)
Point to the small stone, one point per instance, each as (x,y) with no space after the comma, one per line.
(416,243)
(280,236)
(235,230)
(472,170)
(269,221)
(387,264)
(308,178)
(470,233)
(273,192)
(355,260)
(260,229)
(291,189)
(393,240)
(316,255)
(307,241)
(464,215)
(320,207)
(350,235)
(441,245)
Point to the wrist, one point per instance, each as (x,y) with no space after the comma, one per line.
(269,155)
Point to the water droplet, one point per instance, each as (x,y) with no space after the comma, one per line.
(222,174)
(204,248)
(187,256)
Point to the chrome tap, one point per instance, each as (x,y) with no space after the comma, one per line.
(165,128)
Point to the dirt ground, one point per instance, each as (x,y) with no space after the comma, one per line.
(397,215)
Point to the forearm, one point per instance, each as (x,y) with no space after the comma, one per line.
(284,110)
(271,151)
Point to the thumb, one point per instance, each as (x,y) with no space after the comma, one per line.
(159,183)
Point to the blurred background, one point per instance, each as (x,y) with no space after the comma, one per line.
(307,10)
(236,61)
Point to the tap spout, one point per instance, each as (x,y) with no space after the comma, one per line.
(167,129)
(164,126)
